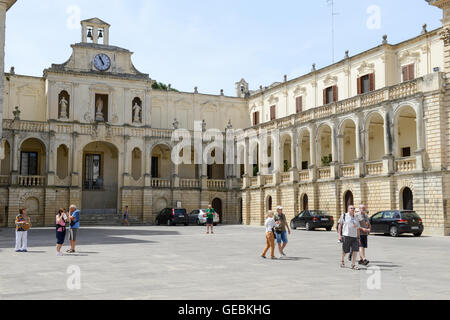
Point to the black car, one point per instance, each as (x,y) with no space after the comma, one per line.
(313,219)
(172,217)
(397,222)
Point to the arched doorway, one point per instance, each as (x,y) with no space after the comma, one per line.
(407,198)
(217,206)
(269,203)
(241,216)
(348,200)
(305,202)
(100,178)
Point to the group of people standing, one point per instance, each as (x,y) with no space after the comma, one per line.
(277,229)
(64,220)
(353,230)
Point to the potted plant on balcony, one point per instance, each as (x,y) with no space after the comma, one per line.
(326,160)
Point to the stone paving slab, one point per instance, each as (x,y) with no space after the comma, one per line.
(180,263)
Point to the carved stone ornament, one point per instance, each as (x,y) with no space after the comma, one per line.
(445,36)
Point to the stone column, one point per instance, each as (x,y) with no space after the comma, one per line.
(148,162)
(419,153)
(359,163)
(388,159)
(294,169)
(334,166)
(312,152)
(75,168)
(52,159)
(3,9)
(15,159)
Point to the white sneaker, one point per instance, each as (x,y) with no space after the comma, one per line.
(59,254)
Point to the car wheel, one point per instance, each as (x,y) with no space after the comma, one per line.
(186,224)
(329,229)
(394,232)
(157,222)
(418,234)
(308,227)
(293,225)
(169,223)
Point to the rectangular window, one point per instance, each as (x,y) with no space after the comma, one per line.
(305,165)
(93,179)
(330,95)
(273,113)
(408,72)
(256,118)
(406,152)
(366,83)
(155,169)
(29,164)
(299,104)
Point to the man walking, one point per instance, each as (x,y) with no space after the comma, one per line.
(365,227)
(74,226)
(349,232)
(280,230)
(125,216)
(22,226)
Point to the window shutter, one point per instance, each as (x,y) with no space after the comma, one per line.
(272,113)
(411,75)
(335,93)
(372,81)
(257,118)
(405,71)
(325,96)
(360,85)
(299,104)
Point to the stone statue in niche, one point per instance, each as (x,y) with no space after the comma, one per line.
(64,104)
(176,124)
(137,110)
(99,110)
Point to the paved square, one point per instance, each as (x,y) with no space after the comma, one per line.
(184,263)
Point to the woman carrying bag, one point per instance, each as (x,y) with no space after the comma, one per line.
(270,236)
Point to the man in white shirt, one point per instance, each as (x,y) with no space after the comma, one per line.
(349,232)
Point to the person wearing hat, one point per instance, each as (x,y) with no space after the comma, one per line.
(281,230)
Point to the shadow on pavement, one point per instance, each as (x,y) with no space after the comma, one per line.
(293,259)
(43,237)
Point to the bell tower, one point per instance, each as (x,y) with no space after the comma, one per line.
(95,31)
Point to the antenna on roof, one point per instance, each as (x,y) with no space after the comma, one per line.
(333,14)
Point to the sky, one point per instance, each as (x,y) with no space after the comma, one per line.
(212,44)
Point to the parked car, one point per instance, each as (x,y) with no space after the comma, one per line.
(172,217)
(199,217)
(397,222)
(313,219)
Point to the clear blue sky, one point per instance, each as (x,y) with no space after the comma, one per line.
(213,43)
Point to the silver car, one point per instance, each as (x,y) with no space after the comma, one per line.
(199,217)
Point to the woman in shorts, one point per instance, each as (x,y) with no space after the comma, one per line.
(61,219)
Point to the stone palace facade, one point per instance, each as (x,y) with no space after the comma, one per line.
(372,128)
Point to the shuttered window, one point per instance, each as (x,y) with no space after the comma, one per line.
(255,118)
(366,83)
(330,95)
(273,113)
(408,72)
(299,104)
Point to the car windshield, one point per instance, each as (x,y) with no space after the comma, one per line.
(410,215)
(180,211)
(318,213)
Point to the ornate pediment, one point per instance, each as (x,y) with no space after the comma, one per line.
(300,90)
(273,99)
(366,67)
(330,80)
(409,56)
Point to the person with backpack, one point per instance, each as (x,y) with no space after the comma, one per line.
(281,230)
(61,219)
(23,224)
(74,227)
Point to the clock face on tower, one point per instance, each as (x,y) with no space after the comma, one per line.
(102,62)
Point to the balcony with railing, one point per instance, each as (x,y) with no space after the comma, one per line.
(161,183)
(304,176)
(31,181)
(374,168)
(216,184)
(324,173)
(348,171)
(189,183)
(405,165)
